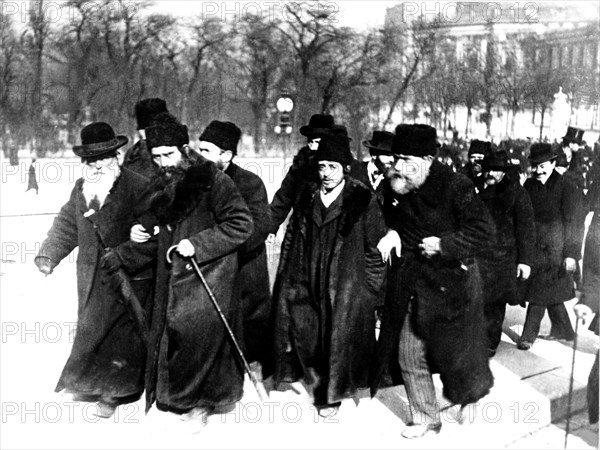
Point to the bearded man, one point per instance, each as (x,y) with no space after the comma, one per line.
(108,357)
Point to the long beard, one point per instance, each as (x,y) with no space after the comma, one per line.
(99,185)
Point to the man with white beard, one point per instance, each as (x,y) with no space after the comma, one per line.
(108,356)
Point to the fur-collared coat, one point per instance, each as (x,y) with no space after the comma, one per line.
(191,361)
(355,275)
(559,224)
(108,355)
(448,305)
(510,207)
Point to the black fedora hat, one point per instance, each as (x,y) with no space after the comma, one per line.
(341,130)
(541,152)
(574,135)
(498,160)
(380,142)
(415,140)
(224,135)
(478,147)
(317,125)
(98,139)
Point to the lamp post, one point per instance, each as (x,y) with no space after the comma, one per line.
(284,126)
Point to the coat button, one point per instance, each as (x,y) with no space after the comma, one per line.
(443,289)
(188,266)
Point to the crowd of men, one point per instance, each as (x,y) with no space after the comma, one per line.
(172,269)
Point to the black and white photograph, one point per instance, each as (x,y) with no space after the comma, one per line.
(299,224)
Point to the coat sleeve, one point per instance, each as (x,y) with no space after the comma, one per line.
(474,228)
(233,222)
(375,230)
(63,235)
(257,201)
(573,220)
(284,199)
(524,227)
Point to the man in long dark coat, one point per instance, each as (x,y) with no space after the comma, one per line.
(372,172)
(559,235)
(192,365)
(327,282)
(218,143)
(433,318)
(508,261)
(108,356)
(477,151)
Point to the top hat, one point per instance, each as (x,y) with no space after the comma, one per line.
(167,134)
(573,135)
(380,143)
(334,148)
(98,139)
(146,109)
(541,152)
(498,160)
(415,140)
(317,125)
(478,147)
(224,135)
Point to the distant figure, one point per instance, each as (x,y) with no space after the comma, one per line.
(32,179)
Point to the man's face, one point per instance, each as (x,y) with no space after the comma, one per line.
(476,159)
(167,158)
(214,153)
(383,162)
(542,171)
(99,167)
(407,174)
(493,177)
(331,174)
(313,143)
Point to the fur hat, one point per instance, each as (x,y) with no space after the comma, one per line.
(167,134)
(317,125)
(224,135)
(496,161)
(334,148)
(478,147)
(415,140)
(146,109)
(98,139)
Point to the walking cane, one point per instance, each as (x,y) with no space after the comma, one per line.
(258,388)
(567,429)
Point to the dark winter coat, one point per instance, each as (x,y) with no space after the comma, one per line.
(254,275)
(447,287)
(510,207)
(591,255)
(191,360)
(139,160)
(559,231)
(353,278)
(108,355)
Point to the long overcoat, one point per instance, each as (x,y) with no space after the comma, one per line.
(447,287)
(191,361)
(355,275)
(559,227)
(510,207)
(108,355)
(253,280)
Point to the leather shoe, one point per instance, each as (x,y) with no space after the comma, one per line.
(420,430)
(524,345)
(549,337)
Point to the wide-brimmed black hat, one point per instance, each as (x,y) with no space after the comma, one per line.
(147,109)
(380,142)
(224,135)
(497,160)
(317,125)
(167,134)
(98,139)
(574,135)
(541,152)
(340,130)
(334,148)
(415,140)
(478,147)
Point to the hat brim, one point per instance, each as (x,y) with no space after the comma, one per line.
(310,131)
(370,146)
(103,148)
(542,159)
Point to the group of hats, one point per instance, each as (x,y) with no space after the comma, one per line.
(542,152)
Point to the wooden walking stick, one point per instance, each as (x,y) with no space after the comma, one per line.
(570,397)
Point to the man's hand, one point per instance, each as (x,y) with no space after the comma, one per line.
(430,246)
(570,264)
(583,312)
(110,261)
(185,248)
(44,264)
(138,234)
(523,271)
(388,243)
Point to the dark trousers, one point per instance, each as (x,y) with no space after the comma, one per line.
(592,392)
(494,318)
(561,324)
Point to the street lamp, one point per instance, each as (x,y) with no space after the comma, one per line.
(284,106)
